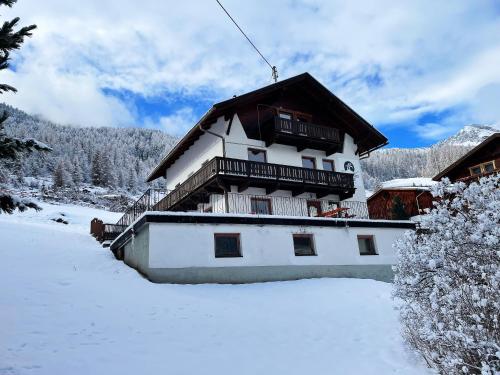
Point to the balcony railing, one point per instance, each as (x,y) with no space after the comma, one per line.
(284,206)
(143,204)
(306,129)
(246,169)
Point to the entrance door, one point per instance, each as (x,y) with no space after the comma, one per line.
(313,208)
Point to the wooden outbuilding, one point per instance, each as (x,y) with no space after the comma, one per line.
(399,203)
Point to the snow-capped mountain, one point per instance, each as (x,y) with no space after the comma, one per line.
(470,135)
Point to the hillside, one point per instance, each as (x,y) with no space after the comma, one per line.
(121,157)
(76,310)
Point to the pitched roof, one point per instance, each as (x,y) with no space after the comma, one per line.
(472,152)
(368,138)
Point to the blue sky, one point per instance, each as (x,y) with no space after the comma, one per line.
(418,71)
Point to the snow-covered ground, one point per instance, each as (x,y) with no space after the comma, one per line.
(68,307)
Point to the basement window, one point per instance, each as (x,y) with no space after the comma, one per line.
(366,245)
(303,244)
(227,245)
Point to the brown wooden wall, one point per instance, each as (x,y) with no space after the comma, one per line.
(485,154)
(380,204)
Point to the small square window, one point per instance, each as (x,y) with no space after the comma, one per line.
(488,167)
(308,162)
(328,165)
(366,245)
(475,170)
(227,245)
(303,244)
(261,206)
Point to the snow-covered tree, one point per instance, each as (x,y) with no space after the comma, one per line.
(62,176)
(10,147)
(448,280)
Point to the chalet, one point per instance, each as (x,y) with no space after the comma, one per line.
(266,186)
(482,160)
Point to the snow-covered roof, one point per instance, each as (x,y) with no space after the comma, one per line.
(410,183)
(419,183)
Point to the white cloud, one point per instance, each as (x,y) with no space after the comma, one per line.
(177,123)
(390,61)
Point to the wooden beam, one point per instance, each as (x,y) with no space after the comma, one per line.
(299,191)
(242,187)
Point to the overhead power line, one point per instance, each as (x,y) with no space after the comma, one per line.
(274,70)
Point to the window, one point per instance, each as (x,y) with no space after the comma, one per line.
(366,245)
(261,206)
(227,245)
(328,165)
(286,115)
(314,208)
(303,244)
(487,167)
(308,162)
(257,155)
(475,170)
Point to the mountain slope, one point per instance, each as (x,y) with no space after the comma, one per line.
(393,163)
(124,155)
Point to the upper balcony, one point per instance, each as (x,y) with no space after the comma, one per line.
(302,135)
(219,174)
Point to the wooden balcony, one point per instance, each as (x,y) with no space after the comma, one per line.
(219,174)
(303,135)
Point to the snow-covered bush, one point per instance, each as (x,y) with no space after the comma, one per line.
(448,280)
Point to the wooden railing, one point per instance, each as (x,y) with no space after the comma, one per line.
(194,182)
(280,172)
(252,169)
(306,129)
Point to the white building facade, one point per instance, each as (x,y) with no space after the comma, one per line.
(267,186)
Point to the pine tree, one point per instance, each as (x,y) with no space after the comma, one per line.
(11,147)
(96,171)
(77,173)
(59,176)
(398,209)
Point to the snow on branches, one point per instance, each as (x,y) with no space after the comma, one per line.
(448,280)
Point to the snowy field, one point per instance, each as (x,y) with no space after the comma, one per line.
(68,307)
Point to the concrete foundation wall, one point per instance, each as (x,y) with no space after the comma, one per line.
(184,253)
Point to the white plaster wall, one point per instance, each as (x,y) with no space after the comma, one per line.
(205,148)
(187,245)
(237,144)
